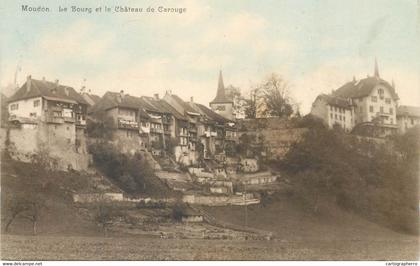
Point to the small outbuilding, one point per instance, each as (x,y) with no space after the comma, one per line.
(191,216)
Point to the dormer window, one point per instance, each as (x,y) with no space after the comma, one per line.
(381,93)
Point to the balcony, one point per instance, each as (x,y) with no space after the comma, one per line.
(145,130)
(55,119)
(156,130)
(69,119)
(81,123)
(127,124)
(210,134)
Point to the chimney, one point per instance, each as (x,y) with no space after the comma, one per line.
(43,79)
(83,90)
(28,83)
(192,99)
(66,91)
(156,96)
(56,83)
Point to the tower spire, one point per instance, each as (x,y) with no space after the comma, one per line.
(221,94)
(376,68)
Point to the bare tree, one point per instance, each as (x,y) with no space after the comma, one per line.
(276,97)
(13,207)
(251,104)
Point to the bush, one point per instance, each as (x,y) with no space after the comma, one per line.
(129,171)
(376,180)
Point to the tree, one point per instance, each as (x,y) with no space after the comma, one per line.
(251,105)
(105,215)
(276,97)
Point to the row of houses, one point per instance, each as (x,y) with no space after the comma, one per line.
(366,106)
(44,113)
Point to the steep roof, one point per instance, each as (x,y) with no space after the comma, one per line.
(90,98)
(405,110)
(335,101)
(363,88)
(116,99)
(48,90)
(164,105)
(184,105)
(150,104)
(211,114)
(221,93)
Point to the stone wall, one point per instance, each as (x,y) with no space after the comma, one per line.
(221,200)
(61,141)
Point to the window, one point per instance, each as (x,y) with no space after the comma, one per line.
(335,116)
(57,114)
(412,121)
(331,115)
(14,106)
(391,111)
(392,121)
(32,114)
(374,99)
(381,93)
(344,118)
(371,109)
(388,100)
(37,103)
(381,109)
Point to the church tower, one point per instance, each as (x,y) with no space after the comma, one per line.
(222,104)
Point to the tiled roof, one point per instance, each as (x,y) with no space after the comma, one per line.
(47,89)
(184,105)
(335,101)
(363,88)
(172,110)
(115,99)
(408,110)
(211,114)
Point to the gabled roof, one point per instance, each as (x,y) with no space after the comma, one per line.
(48,90)
(120,100)
(184,105)
(212,115)
(91,99)
(405,110)
(167,107)
(221,93)
(149,105)
(363,88)
(335,101)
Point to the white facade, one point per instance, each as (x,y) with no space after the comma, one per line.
(29,108)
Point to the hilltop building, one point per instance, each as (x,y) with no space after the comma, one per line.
(367,105)
(51,116)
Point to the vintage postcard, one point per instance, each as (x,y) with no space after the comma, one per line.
(204,130)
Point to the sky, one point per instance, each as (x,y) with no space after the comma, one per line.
(315,45)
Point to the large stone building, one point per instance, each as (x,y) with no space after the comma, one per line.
(368,105)
(222,104)
(48,116)
(408,117)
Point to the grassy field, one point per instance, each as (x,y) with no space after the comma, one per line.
(16,247)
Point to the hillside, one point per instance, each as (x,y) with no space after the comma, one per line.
(288,220)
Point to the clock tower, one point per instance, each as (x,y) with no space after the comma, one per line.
(222,104)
